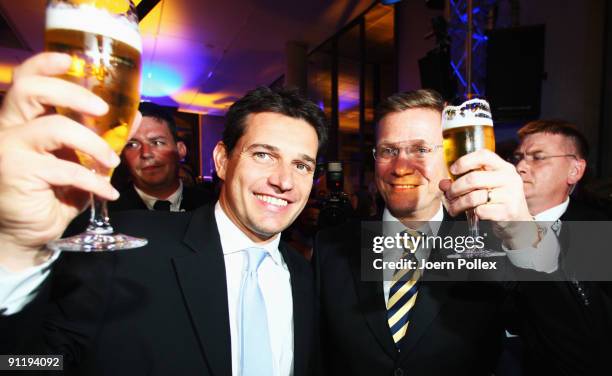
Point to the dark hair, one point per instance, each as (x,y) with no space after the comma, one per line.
(422,98)
(157,112)
(557,126)
(282,101)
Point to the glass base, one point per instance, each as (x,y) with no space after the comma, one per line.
(476,253)
(96,242)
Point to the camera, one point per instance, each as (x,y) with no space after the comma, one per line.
(335,206)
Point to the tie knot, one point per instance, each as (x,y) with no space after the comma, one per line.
(411,236)
(254,258)
(161,205)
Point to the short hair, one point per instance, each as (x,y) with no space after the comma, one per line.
(422,98)
(159,113)
(282,101)
(557,126)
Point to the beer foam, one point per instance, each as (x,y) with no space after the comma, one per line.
(471,112)
(93,20)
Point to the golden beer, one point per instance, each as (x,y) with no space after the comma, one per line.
(106,59)
(464,140)
(467,128)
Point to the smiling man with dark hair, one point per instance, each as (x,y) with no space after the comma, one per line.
(215,291)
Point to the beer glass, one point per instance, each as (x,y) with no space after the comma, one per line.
(467,128)
(103,39)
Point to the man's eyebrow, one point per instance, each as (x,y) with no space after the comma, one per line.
(534,151)
(308,158)
(265,146)
(416,141)
(304,157)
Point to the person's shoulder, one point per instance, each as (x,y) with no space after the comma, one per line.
(293,256)
(578,210)
(195,197)
(339,233)
(154,221)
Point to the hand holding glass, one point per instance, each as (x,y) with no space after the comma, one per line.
(467,128)
(103,40)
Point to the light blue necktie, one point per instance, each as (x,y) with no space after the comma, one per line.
(255,350)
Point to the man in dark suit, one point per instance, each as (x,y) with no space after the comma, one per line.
(551,160)
(152,156)
(423,327)
(213,293)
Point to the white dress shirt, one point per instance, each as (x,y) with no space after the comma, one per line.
(395,254)
(175,199)
(554,213)
(275,284)
(544,257)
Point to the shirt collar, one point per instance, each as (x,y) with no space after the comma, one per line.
(554,213)
(175,198)
(234,240)
(434,222)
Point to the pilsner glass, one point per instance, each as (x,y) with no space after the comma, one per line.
(103,39)
(467,128)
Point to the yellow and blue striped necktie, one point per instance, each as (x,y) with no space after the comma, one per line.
(402,296)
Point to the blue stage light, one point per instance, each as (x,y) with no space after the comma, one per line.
(160,81)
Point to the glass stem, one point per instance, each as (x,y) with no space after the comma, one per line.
(98,219)
(472,220)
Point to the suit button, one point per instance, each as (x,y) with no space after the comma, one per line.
(398,372)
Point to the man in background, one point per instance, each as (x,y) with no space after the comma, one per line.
(152,156)
(551,159)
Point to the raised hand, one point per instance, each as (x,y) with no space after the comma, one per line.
(42,186)
(493,187)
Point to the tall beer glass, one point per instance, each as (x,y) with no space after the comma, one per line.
(467,128)
(103,39)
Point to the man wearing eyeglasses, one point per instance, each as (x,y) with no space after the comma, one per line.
(371,327)
(551,160)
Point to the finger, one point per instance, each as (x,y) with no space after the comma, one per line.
(28,97)
(475,180)
(477,198)
(54,132)
(492,212)
(45,64)
(60,173)
(481,159)
(445,184)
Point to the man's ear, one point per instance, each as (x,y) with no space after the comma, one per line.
(182,149)
(220,157)
(576,171)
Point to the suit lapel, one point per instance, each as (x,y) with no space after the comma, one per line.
(133,200)
(372,302)
(201,278)
(302,291)
(430,299)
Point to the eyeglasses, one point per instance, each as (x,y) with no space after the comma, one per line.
(387,153)
(535,158)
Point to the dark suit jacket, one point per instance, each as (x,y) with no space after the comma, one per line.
(192,199)
(594,299)
(455,328)
(129,200)
(157,310)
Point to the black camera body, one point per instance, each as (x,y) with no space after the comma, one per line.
(335,206)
